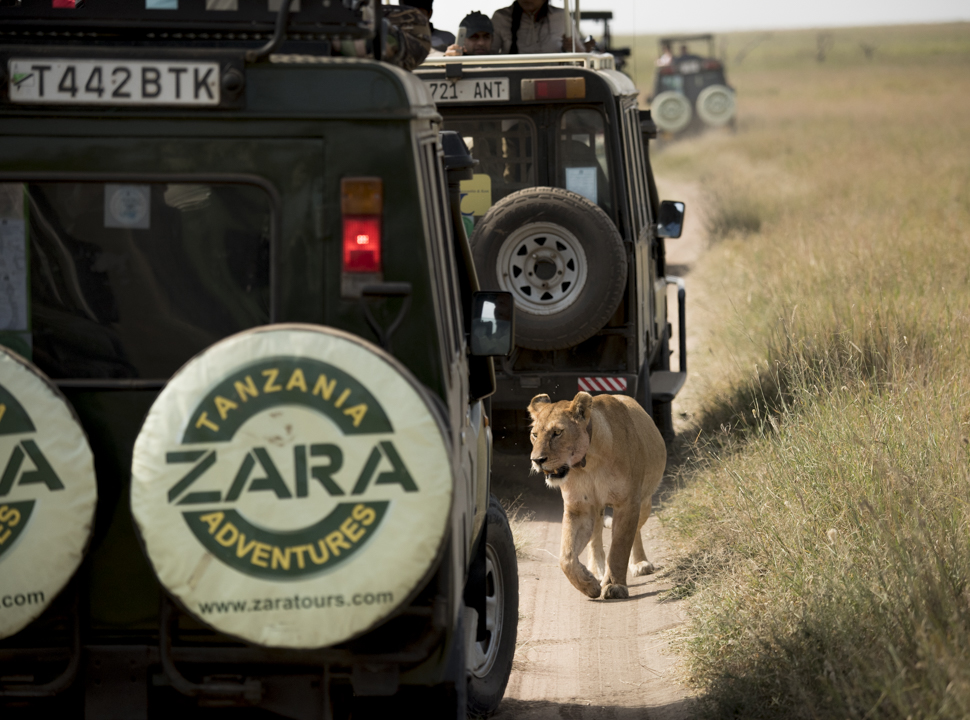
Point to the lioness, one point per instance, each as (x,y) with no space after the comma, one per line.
(599,451)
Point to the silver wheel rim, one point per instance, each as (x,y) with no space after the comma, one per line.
(543,265)
(484,653)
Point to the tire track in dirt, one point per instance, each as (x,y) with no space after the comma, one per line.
(588,659)
(583,659)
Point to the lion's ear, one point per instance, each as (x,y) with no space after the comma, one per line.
(536,402)
(581,406)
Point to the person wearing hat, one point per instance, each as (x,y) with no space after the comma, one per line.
(533,26)
(440,39)
(478,36)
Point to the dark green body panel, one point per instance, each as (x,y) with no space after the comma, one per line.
(298,140)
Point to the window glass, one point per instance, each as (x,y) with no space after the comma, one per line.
(506,152)
(583,160)
(130,280)
(702,80)
(672,82)
(444,273)
(635,173)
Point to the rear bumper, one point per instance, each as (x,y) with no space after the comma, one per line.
(516,391)
(114,675)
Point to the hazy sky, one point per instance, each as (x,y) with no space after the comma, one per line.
(651,16)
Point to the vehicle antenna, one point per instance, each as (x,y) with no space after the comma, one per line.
(569,24)
(636,52)
(580,30)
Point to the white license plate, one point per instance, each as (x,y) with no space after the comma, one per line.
(112,82)
(479,90)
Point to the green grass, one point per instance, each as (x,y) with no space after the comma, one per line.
(824,510)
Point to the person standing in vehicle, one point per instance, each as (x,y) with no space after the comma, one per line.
(532,26)
(478,38)
(440,39)
(407,38)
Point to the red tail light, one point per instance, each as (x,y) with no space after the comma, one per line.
(362,204)
(362,243)
(554,89)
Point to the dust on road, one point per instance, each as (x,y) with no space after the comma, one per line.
(585,659)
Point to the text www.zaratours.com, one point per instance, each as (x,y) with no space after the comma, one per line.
(295,602)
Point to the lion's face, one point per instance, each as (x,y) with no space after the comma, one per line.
(560,435)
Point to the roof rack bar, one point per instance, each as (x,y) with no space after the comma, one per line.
(684,38)
(593,61)
(347,19)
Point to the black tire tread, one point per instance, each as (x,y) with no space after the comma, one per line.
(485,694)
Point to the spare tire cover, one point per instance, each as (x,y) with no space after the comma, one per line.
(715,105)
(48,492)
(292,486)
(671,111)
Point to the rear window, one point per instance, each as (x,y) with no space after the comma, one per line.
(505,148)
(583,160)
(128,280)
(674,83)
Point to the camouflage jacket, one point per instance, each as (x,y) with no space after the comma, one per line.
(407,38)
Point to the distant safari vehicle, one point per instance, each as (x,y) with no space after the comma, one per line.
(690,91)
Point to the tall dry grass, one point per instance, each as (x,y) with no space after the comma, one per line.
(825,507)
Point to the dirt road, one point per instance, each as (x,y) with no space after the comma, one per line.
(578,658)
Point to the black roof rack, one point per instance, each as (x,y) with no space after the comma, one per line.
(347,19)
(596,15)
(685,38)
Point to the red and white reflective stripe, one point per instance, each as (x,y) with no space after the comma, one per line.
(602,384)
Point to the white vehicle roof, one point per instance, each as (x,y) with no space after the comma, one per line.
(603,64)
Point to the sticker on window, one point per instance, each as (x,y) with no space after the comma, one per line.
(127,206)
(582,181)
(476,195)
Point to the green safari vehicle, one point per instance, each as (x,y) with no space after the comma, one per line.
(565,215)
(244,359)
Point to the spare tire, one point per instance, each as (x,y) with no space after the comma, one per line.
(715,105)
(562,259)
(671,111)
(292,486)
(48,492)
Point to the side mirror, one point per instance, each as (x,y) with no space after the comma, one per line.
(670,224)
(493,324)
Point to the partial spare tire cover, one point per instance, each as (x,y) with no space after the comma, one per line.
(48,492)
(671,111)
(292,486)
(562,259)
(715,105)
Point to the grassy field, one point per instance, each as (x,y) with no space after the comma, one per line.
(824,496)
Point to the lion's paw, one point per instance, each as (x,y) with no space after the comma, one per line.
(591,587)
(642,568)
(616,592)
